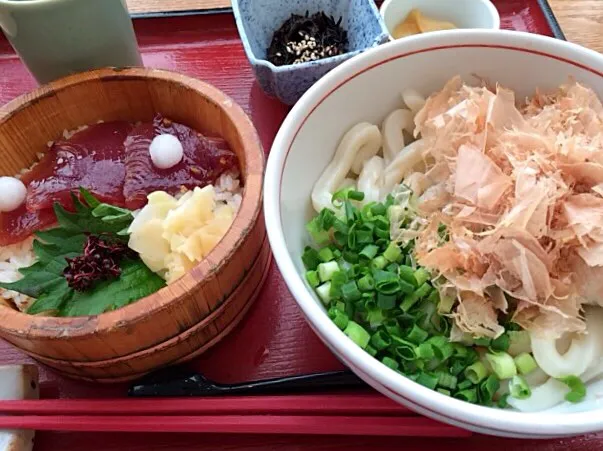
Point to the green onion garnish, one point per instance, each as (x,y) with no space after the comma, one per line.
(525,363)
(500,343)
(476,372)
(577,389)
(326,270)
(502,364)
(393,252)
(357,334)
(519,388)
(312,278)
(323,292)
(389,362)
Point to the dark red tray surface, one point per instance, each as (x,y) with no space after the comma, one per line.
(273,339)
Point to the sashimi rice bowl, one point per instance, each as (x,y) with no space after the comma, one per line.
(112,212)
(436,208)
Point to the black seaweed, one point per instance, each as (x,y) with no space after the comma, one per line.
(307,38)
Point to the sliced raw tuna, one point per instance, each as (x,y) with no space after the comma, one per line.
(19,224)
(205,159)
(92,158)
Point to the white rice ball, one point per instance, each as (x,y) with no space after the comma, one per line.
(12,193)
(166,151)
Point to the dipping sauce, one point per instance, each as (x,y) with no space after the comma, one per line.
(416,23)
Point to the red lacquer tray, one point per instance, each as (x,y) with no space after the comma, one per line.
(274,339)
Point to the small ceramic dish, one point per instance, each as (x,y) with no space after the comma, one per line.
(257,20)
(462,13)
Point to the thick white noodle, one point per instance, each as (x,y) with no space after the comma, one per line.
(583,351)
(392,130)
(413,100)
(395,172)
(370,180)
(543,397)
(364,140)
(370,144)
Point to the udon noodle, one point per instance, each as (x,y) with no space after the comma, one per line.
(508,183)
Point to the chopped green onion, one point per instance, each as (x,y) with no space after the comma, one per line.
(443,391)
(378,209)
(389,362)
(379,262)
(525,363)
(412,298)
(371,351)
(350,212)
(357,334)
(340,306)
(434,297)
(500,343)
(323,292)
(386,301)
(403,348)
(464,385)
(355,195)
(482,341)
(427,380)
(338,279)
(366,283)
(417,335)
(520,342)
(447,380)
(393,252)
(519,388)
(375,317)
(310,258)
(380,340)
(326,254)
(368,252)
(319,236)
(446,304)
(386,282)
(577,388)
(312,278)
(502,364)
(392,267)
(407,274)
(443,347)
(476,372)
(502,402)
(425,351)
(469,395)
(421,276)
(326,270)
(350,292)
(488,388)
(340,319)
(349,256)
(364,237)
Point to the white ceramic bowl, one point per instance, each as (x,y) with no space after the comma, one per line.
(366,88)
(462,13)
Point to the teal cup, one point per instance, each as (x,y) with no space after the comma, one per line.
(55,38)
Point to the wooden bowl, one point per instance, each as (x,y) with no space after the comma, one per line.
(30,121)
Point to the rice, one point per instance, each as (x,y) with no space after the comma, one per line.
(12,258)
(228,189)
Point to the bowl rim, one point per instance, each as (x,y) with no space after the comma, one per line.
(492,10)
(18,324)
(263,62)
(443,408)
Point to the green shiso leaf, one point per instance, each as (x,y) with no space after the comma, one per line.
(44,279)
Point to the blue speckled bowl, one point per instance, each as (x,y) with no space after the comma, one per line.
(257,20)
